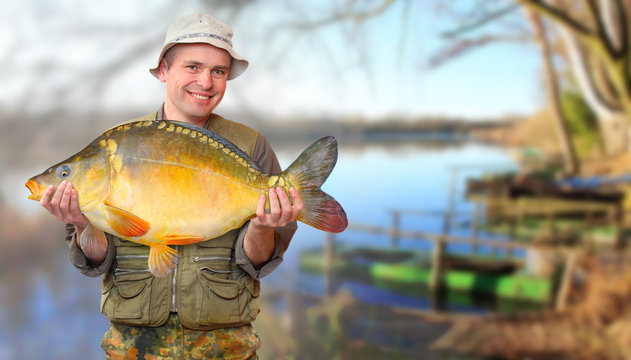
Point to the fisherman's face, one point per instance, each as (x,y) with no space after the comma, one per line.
(195,81)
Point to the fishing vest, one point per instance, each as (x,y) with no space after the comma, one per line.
(208,289)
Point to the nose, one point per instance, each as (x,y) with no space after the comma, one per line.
(205,80)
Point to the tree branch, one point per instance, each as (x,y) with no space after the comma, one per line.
(462,47)
(340,16)
(623,24)
(607,91)
(601,32)
(582,74)
(558,15)
(480,21)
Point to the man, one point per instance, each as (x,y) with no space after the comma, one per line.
(204,308)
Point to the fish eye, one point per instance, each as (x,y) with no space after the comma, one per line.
(63,171)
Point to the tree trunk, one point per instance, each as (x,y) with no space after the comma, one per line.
(565,139)
(613,123)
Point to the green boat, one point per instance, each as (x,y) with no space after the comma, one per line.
(517,286)
(464,274)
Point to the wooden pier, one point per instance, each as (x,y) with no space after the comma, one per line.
(568,252)
(513,202)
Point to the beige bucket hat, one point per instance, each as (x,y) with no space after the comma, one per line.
(202,28)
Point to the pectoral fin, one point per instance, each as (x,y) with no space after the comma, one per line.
(126,223)
(162,260)
(93,242)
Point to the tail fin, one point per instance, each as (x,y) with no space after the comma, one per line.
(307,174)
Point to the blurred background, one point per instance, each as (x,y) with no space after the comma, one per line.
(483,164)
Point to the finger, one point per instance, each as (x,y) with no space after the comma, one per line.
(64,202)
(45,200)
(54,201)
(283,198)
(296,201)
(285,205)
(260,207)
(75,213)
(273,205)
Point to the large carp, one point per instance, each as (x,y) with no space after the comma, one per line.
(161,183)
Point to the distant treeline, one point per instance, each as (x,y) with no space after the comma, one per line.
(439,131)
(44,137)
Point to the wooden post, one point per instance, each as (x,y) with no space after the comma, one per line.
(618,223)
(475,228)
(435,281)
(566,281)
(329,253)
(589,240)
(437,258)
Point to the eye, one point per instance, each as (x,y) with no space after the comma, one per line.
(63,171)
(219,73)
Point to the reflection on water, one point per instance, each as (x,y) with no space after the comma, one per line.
(341,326)
(51,311)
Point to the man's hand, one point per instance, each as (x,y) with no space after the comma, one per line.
(282,212)
(64,205)
(259,240)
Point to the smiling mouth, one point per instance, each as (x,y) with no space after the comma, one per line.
(200,97)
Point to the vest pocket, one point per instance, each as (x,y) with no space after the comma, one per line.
(128,298)
(226,302)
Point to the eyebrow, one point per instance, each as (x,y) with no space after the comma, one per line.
(198,63)
(193,62)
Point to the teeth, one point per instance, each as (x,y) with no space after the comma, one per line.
(201,97)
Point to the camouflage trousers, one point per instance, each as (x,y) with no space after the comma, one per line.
(173,341)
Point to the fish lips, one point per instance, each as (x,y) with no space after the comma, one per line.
(37,189)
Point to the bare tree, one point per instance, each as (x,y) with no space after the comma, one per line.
(596,37)
(594,34)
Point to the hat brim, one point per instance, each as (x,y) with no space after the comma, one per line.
(237,66)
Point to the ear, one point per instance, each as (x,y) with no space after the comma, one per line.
(162,71)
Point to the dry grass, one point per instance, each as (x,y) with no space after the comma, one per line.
(597,326)
(536,131)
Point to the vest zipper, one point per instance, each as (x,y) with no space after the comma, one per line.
(209,269)
(119,271)
(209,258)
(174,284)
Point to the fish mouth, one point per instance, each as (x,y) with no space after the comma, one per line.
(37,190)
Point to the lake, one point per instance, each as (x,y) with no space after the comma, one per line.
(51,311)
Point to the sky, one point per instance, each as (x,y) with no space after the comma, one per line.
(367,71)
